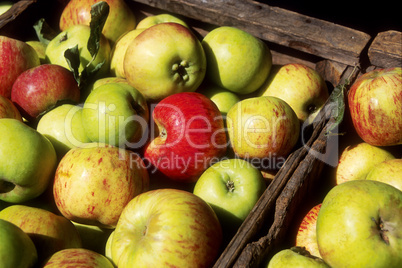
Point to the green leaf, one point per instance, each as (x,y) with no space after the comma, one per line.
(43,31)
(99,14)
(72,56)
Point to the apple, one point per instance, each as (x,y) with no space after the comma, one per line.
(375,104)
(94,183)
(191,136)
(93,237)
(63,127)
(16,247)
(5,6)
(300,86)
(164,59)
(388,171)
(356,160)
(263,127)
(223,98)
(295,257)
(360,225)
(117,114)
(119,51)
(40,49)
(77,257)
(166,228)
(78,34)
(8,109)
(39,89)
(15,57)
(107,80)
(48,231)
(120,19)
(231,187)
(236,60)
(28,161)
(306,234)
(160,18)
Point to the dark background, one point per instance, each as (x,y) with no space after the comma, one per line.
(370,17)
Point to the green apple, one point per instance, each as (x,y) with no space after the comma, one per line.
(77,257)
(166,228)
(16,247)
(63,127)
(116,114)
(160,18)
(388,171)
(295,257)
(261,128)
(300,86)
(28,161)
(357,160)
(237,60)
(48,231)
(5,6)
(93,237)
(119,51)
(232,187)
(94,183)
(120,18)
(106,80)
(40,49)
(164,59)
(223,98)
(79,35)
(360,225)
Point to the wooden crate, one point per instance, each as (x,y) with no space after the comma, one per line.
(335,51)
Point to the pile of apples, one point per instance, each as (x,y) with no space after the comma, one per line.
(358,222)
(127,144)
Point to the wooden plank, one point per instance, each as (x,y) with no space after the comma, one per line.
(386,50)
(273,24)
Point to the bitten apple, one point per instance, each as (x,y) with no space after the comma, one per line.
(15,57)
(375,104)
(38,89)
(166,228)
(94,183)
(191,136)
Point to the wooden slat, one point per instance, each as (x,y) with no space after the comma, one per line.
(273,24)
(386,50)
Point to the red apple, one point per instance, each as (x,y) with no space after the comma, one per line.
(8,109)
(375,103)
(39,88)
(15,57)
(306,235)
(191,136)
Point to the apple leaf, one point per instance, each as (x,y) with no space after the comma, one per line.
(99,14)
(43,31)
(72,56)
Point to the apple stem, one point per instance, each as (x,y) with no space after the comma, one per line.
(382,229)
(230,186)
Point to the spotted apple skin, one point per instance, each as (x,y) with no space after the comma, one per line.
(93,184)
(375,103)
